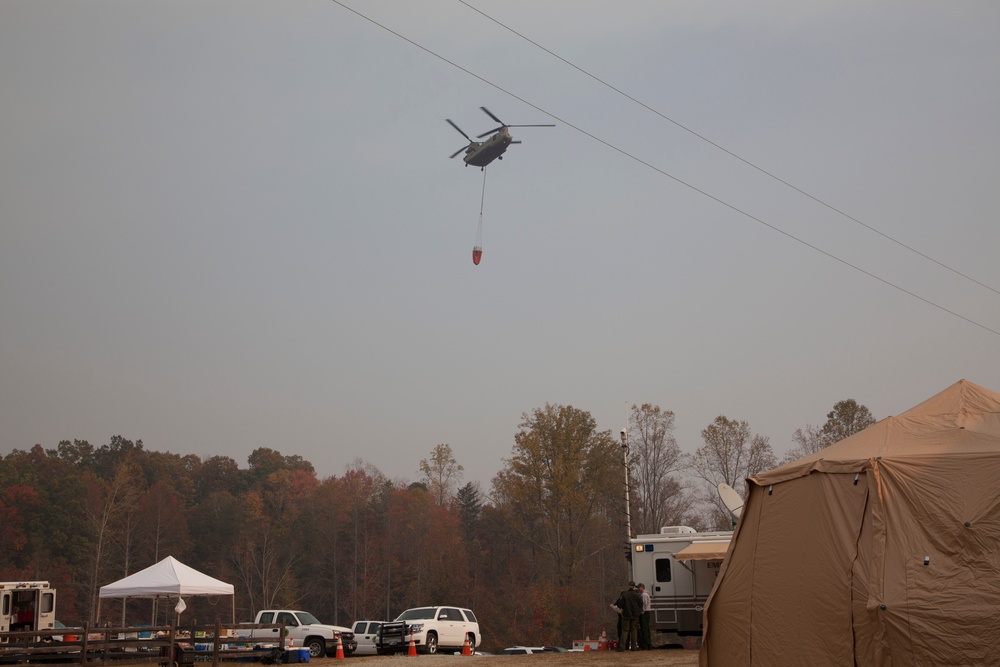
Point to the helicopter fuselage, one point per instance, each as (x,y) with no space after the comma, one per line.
(481,153)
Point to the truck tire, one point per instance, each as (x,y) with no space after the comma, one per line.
(472,643)
(316,646)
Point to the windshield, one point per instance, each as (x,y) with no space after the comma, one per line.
(415,614)
(305,618)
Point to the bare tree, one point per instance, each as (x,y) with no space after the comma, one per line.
(128,522)
(441,472)
(261,556)
(847,418)
(807,441)
(654,458)
(731,453)
(267,551)
(111,518)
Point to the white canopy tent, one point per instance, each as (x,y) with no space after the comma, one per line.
(169,578)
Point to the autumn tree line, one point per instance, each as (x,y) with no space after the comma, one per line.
(538,555)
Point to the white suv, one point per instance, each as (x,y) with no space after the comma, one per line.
(431,629)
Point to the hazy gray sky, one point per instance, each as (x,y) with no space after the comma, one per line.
(234,224)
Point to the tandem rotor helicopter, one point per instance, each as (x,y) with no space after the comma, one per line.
(481,153)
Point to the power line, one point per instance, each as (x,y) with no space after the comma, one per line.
(730,153)
(664,173)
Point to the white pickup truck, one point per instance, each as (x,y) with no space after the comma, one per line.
(305,630)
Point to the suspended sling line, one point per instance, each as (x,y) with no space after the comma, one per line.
(477,250)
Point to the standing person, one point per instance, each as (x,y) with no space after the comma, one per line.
(631,610)
(617,606)
(645,641)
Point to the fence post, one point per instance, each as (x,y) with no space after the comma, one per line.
(215,646)
(83,644)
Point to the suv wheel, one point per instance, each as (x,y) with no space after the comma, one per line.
(431,645)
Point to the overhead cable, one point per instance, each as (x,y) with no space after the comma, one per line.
(731,153)
(667,174)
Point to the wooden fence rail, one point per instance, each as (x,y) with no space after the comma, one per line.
(168,646)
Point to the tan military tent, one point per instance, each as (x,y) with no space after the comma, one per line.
(882,549)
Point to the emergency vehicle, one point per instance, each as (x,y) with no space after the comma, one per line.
(679,567)
(27,606)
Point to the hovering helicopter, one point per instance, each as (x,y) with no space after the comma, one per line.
(481,153)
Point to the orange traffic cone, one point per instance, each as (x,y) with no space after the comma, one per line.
(586,644)
(466,647)
(602,645)
(291,644)
(413,647)
(340,648)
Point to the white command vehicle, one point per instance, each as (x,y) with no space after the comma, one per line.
(679,567)
(305,630)
(430,628)
(26,606)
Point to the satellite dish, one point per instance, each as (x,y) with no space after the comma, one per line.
(731,498)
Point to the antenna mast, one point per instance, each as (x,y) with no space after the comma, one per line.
(628,505)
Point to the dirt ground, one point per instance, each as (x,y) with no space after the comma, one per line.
(668,657)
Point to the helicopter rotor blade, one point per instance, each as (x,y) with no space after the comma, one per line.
(516,141)
(463,148)
(458,128)
(493,131)
(488,113)
(546,125)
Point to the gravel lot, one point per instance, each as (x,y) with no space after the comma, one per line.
(668,657)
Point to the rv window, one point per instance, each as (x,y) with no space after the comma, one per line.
(6,605)
(663,569)
(48,602)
